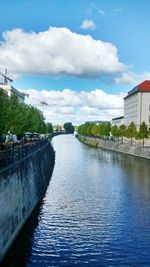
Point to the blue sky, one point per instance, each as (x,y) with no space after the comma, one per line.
(91,45)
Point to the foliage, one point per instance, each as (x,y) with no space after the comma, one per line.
(69,128)
(143,132)
(131,131)
(19,117)
(115,131)
(104,129)
(122,130)
(92,129)
(49,127)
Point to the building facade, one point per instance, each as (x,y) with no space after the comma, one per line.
(10,90)
(118,121)
(137,105)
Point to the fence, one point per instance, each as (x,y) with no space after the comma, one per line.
(14,152)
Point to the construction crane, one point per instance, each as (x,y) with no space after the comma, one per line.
(26,95)
(6,78)
(44,103)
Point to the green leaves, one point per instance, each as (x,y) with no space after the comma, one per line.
(49,127)
(69,128)
(104,129)
(131,130)
(87,128)
(143,132)
(115,131)
(19,117)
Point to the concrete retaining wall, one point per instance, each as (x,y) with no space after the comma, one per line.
(22,185)
(116,146)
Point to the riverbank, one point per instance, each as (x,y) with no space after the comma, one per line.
(141,152)
(22,185)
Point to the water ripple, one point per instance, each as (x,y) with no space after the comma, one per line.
(96,210)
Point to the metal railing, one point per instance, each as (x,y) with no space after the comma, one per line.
(14,152)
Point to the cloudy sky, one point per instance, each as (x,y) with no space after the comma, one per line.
(79,57)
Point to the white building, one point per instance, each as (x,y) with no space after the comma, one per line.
(137,105)
(118,121)
(10,90)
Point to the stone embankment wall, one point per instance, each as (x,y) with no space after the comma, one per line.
(116,146)
(22,185)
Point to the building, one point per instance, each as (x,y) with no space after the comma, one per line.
(10,90)
(97,122)
(137,105)
(118,121)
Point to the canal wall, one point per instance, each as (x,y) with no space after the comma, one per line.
(142,152)
(22,185)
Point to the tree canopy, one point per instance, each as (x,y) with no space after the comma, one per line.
(143,132)
(19,117)
(105,129)
(69,128)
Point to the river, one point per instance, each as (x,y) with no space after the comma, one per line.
(96,212)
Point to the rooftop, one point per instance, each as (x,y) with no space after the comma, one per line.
(118,118)
(142,87)
(13,90)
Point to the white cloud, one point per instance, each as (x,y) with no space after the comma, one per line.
(58,51)
(53,98)
(89,110)
(78,107)
(102,100)
(125,78)
(132,78)
(89,114)
(88,25)
(101,12)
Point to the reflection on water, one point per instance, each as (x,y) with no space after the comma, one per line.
(20,252)
(95,213)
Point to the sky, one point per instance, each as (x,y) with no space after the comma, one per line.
(79,57)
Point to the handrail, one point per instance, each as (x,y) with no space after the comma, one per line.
(17,151)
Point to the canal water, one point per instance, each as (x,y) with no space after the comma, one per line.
(96,212)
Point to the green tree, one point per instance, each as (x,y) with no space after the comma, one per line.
(79,129)
(131,131)
(107,129)
(94,130)
(49,127)
(115,131)
(19,117)
(69,128)
(4,115)
(104,129)
(88,128)
(143,132)
(122,131)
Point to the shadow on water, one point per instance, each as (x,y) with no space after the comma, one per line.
(21,250)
